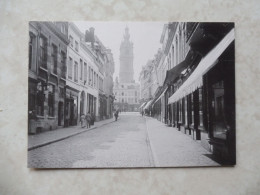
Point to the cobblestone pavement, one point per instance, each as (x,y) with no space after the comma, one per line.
(172,148)
(132,141)
(118,144)
(54,135)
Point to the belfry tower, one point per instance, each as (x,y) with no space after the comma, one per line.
(126,73)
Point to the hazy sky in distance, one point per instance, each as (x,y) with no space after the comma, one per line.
(144,35)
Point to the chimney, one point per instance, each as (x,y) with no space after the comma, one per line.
(90,36)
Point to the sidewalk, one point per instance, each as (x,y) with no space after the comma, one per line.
(48,137)
(172,148)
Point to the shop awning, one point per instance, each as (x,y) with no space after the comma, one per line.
(148,104)
(175,72)
(195,79)
(142,105)
(161,95)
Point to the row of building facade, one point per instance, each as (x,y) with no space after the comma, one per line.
(70,74)
(190,84)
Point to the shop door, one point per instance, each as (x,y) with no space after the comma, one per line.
(218,110)
(60,113)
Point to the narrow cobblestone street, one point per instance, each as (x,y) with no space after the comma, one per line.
(132,141)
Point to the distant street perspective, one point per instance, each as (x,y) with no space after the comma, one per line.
(132,141)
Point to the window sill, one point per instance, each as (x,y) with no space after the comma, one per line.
(40,117)
(54,75)
(44,69)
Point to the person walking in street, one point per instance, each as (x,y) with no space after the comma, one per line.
(92,118)
(88,120)
(116,115)
(142,112)
(83,120)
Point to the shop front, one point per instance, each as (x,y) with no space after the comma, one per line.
(71,107)
(204,103)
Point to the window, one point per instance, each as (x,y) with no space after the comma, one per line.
(51,101)
(76,71)
(92,82)
(81,70)
(70,68)
(76,46)
(43,52)
(71,41)
(63,64)
(85,72)
(200,107)
(218,111)
(40,102)
(186,99)
(177,51)
(89,77)
(180,111)
(61,92)
(31,47)
(192,108)
(63,29)
(94,79)
(54,59)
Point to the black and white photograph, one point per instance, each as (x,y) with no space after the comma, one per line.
(131,94)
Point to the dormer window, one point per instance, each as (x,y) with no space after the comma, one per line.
(71,41)
(76,46)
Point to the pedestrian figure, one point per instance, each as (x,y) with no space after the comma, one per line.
(142,112)
(88,120)
(92,118)
(83,120)
(116,115)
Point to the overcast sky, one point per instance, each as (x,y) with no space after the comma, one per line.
(144,35)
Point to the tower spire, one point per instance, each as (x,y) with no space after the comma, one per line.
(126,35)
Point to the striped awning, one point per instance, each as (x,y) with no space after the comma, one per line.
(195,80)
(161,95)
(148,104)
(142,105)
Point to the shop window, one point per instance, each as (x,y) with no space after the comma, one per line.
(70,68)
(32,99)
(180,111)
(51,100)
(43,52)
(200,107)
(192,108)
(54,52)
(40,100)
(186,110)
(218,111)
